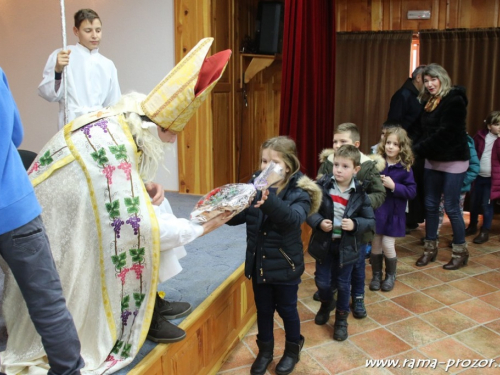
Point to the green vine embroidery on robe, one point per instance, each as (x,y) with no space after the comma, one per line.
(119,151)
(100,156)
(46,159)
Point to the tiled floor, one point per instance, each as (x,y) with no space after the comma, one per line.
(431,314)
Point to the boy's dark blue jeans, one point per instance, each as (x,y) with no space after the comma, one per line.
(358,273)
(329,275)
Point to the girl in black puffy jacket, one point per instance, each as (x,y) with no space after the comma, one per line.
(274,255)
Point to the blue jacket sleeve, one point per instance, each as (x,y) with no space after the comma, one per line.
(365,221)
(473,169)
(285,216)
(10,122)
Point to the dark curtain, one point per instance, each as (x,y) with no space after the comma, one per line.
(370,67)
(308,79)
(472,59)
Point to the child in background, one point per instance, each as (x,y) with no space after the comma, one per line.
(344,216)
(274,256)
(487,185)
(386,125)
(397,178)
(369,178)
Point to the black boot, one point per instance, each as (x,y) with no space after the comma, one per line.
(390,274)
(264,358)
(290,357)
(323,314)
(482,237)
(358,307)
(162,331)
(171,310)
(376,262)
(471,230)
(340,326)
(316,296)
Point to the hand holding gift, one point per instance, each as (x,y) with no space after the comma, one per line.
(231,199)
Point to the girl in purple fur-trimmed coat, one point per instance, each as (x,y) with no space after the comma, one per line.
(390,218)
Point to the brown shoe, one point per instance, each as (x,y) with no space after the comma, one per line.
(482,237)
(459,257)
(430,253)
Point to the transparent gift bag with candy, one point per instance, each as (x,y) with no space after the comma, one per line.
(231,199)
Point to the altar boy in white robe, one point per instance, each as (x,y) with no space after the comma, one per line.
(92,78)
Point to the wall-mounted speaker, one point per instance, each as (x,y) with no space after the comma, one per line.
(269,27)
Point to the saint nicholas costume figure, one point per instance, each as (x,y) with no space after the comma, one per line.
(103,230)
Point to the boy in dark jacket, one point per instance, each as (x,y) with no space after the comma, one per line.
(369,177)
(344,216)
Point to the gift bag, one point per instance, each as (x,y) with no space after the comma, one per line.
(231,199)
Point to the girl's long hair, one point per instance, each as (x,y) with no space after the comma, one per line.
(288,152)
(405,155)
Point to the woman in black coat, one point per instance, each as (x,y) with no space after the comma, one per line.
(444,147)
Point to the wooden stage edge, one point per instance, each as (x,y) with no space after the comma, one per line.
(213,329)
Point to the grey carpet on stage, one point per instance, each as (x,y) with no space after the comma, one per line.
(210,260)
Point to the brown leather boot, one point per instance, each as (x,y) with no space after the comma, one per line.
(482,237)
(459,257)
(430,253)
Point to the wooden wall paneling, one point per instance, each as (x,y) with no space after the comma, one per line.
(262,112)
(359,18)
(194,143)
(260,119)
(341,15)
(392,15)
(276,87)
(195,152)
(498,13)
(272,79)
(377,15)
(223,106)
(477,13)
(222,27)
(223,136)
(245,130)
(444,14)
(245,160)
